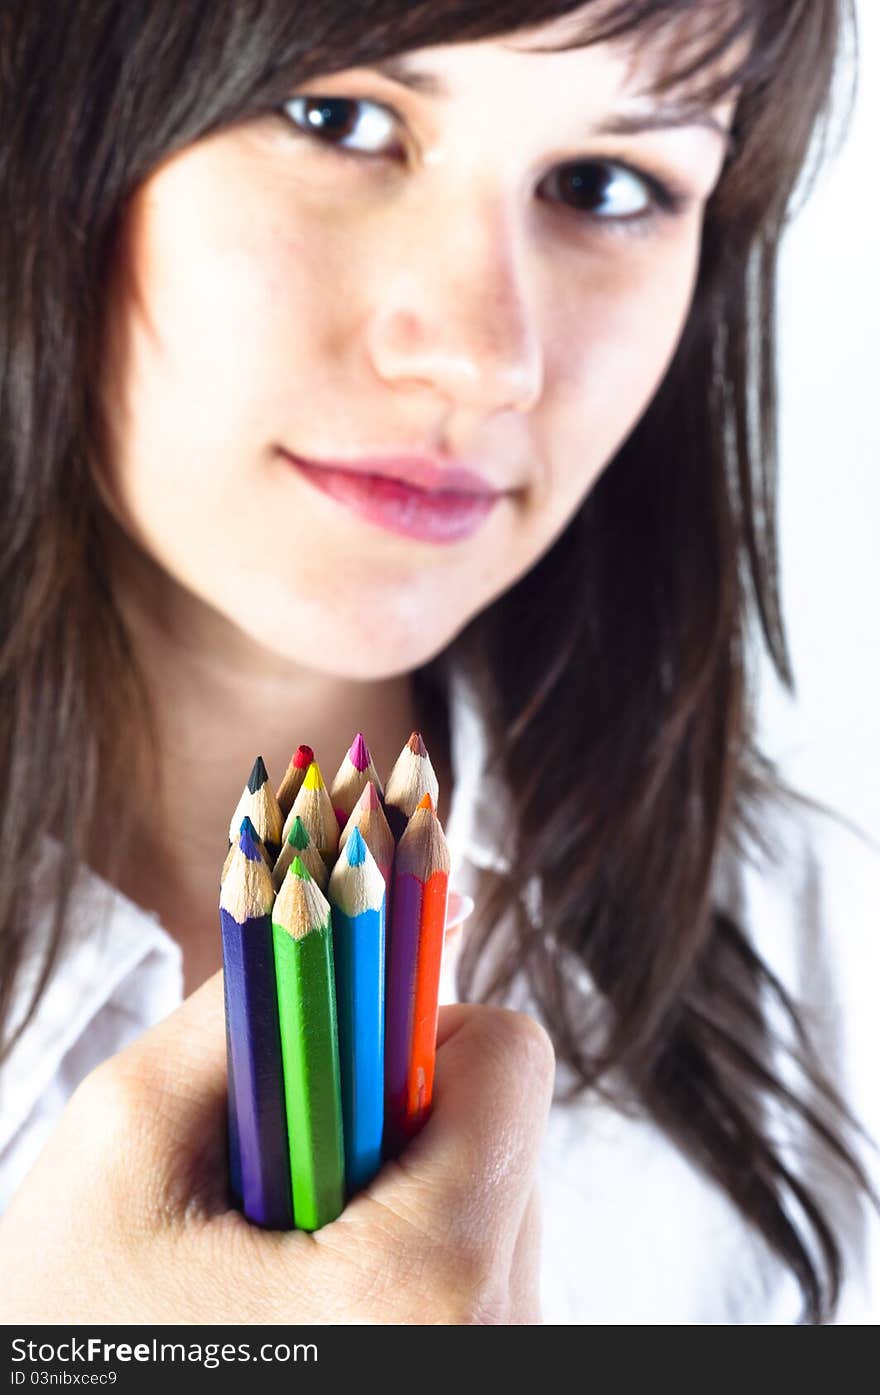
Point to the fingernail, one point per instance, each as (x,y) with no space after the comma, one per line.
(461,912)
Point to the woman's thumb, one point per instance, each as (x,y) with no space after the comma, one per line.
(468,1175)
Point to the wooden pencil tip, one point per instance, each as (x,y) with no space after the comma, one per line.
(303,757)
(426,802)
(314,779)
(417,745)
(298,837)
(299,870)
(258,776)
(359,753)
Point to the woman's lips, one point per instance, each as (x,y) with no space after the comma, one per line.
(419,499)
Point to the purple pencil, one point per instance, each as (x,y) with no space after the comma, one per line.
(414,958)
(260,1171)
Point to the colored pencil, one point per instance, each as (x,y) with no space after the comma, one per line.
(261,806)
(302,936)
(357,900)
(245,826)
(293,777)
(257,1122)
(411,778)
(368,816)
(299,844)
(313,806)
(414,954)
(356,771)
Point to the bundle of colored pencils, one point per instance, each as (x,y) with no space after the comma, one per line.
(332,914)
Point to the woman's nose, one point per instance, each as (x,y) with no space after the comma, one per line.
(455,312)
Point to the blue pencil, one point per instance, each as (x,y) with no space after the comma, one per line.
(257,1125)
(357,899)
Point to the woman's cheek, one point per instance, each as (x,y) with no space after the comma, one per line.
(609,349)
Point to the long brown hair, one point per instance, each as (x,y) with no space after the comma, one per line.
(626,642)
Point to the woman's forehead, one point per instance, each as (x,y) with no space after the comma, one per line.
(698,52)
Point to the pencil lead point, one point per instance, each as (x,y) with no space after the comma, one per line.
(314,779)
(249,842)
(356,848)
(298,870)
(359,753)
(298,837)
(258,776)
(369,798)
(417,745)
(303,757)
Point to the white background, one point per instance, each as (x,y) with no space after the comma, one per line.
(828,739)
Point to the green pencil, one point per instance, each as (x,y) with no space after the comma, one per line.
(302,936)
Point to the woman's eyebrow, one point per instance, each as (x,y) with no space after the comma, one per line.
(398,70)
(665,116)
(661,116)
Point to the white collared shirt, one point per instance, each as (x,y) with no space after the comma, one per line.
(632,1230)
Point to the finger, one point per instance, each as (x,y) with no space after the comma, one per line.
(526,1265)
(472,1167)
(458,908)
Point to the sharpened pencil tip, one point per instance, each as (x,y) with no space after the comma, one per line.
(369,798)
(298,870)
(359,753)
(258,776)
(426,802)
(417,745)
(314,779)
(298,837)
(303,757)
(248,842)
(355,848)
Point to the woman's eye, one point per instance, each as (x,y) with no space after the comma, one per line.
(609,191)
(604,189)
(344,120)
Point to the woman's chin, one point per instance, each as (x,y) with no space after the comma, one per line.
(346,644)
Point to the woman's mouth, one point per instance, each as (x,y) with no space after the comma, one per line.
(412,496)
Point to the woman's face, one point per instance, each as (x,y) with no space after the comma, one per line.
(487,270)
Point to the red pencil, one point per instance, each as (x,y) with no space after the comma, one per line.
(293,777)
(414,954)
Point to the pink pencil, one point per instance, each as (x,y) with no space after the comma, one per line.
(356,771)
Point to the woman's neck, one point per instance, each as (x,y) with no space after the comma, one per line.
(218,700)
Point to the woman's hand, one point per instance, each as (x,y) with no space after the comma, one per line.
(125,1216)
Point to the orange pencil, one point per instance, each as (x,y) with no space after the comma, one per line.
(413,955)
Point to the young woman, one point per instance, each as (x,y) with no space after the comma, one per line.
(402,367)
